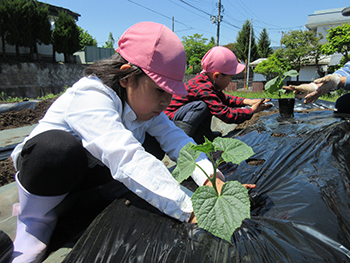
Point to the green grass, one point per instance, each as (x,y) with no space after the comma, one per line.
(250,95)
(258,95)
(5,98)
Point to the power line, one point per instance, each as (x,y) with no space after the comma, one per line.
(149,9)
(223,21)
(186,9)
(195,7)
(186,24)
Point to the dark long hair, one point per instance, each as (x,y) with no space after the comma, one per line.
(109,72)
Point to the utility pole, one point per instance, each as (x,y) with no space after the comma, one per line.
(250,43)
(173,24)
(281,39)
(219,20)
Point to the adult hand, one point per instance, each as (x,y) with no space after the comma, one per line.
(260,105)
(325,85)
(313,91)
(302,90)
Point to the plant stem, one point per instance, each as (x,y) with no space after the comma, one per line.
(213,180)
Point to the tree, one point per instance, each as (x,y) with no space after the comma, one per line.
(195,47)
(110,42)
(86,39)
(264,43)
(4,17)
(273,66)
(17,26)
(242,43)
(338,41)
(300,48)
(40,27)
(24,23)
(231,46)
(65,36)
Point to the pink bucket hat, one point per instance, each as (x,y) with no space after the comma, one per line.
(222,60)
(158,52)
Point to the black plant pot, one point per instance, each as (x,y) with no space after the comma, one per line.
(286,107)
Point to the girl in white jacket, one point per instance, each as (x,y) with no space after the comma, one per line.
(93,135)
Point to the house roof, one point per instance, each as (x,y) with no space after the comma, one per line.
(256,62)
(53,11)
(329,17)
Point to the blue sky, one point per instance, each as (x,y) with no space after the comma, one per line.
(193,16)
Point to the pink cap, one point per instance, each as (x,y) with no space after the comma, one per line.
(222,60)
(158,52)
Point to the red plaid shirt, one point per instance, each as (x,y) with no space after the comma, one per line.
(221,105)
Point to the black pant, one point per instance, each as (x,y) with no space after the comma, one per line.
(55,162)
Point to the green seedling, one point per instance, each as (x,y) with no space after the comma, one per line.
(220,214)
(275,85)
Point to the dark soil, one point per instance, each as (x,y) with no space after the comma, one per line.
(16,119)
(25,117)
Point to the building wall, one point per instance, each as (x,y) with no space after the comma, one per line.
(306,74)
(92,54)
(322,20)
(45,51)
(32,80)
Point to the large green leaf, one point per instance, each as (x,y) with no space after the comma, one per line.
(276,84)
(221,215)
(272,85)
(206,147)
(186,163)
(234,150)
(291,73)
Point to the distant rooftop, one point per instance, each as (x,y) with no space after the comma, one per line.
(53,11)
(327,17)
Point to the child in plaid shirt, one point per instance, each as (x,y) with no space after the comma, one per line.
(206,98)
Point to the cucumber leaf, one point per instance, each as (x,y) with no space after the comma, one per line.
(206,147)
(291,73)
(234,150)
(221,215)
(186,163)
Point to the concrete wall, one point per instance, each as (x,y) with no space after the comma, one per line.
(92,54)
(32,80)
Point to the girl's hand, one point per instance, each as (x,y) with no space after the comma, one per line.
(249,186)
(219,184)
(260,105)
(251,102)
(193,219)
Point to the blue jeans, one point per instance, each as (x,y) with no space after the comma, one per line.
(193,113)
(195,120)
